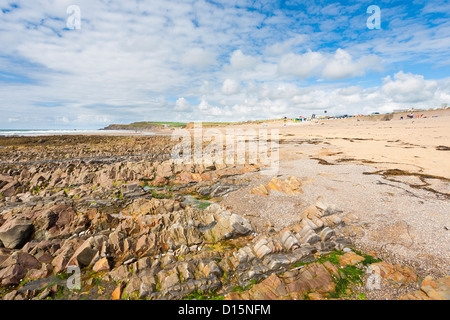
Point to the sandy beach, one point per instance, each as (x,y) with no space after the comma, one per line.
(349,195)
(417,145)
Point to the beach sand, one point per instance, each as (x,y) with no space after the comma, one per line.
(418,145)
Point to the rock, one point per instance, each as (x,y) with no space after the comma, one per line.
(417,295)
(115,239)
(44,257)
(229,226)
(261,190)
(143,206)
(102,221)
(261,249)
(269,289)
(178,235)
(9,189)
(63,255)
(396,273)
(314,277)
(12,275)
(315,296)
(350,258)
(132,187)
(26,260)
(117,293)
(221,189)
(129,261)
(43,221)
(312,213)
(170,281)
(101,265)
(144,263)
(16,232)
(128,245)
(44,294)
(84,255)
(120,273)
(308,236)
(436,289)
(132,288)
(326,234)
(308,223)
(145,290)
(431,290)
(186,271)
(276,261)
(160,181)
(183,250)
(332,269)
(342,243)
(183,178)
(212,268)
(164,170)
(66,219)
(4,254)
(44,272)
(293,284)
(10,296)
(289,241)
(290,186)
(145,243)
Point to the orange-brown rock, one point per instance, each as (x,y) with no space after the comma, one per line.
(290,186)
(431,289)
(396,273)
(350,258)
(101,265)
(117,293)
(294,284)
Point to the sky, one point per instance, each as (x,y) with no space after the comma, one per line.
(111,61)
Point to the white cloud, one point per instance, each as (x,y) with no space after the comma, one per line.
(407,87)
(304,66)
(280,48)
(204,105)
(342,65)
(350,90)
(182,105)
(240,61)
(230,87)
(198,57)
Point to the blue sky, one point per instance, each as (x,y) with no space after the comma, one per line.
(217,60)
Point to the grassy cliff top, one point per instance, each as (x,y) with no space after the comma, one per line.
(145,125)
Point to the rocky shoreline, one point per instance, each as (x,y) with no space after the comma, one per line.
(139,226)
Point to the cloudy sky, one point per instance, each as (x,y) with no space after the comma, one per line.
(237,60)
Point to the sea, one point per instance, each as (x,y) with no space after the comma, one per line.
(46,132)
